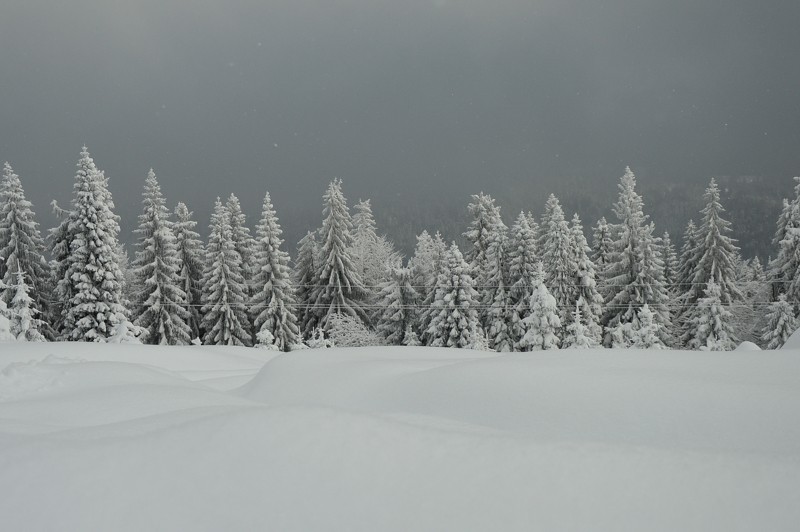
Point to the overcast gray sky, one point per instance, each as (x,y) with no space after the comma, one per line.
(403,99)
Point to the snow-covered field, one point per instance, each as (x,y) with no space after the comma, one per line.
(94,437)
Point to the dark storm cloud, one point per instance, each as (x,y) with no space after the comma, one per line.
(412,100)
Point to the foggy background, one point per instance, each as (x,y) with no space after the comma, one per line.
(415,104)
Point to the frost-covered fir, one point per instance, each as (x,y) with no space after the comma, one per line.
(374,256)
(243,242)
(225,320)
(396,316)
(577,333)
(784,268)
(715,256)
(486,227)
(709,322)
(25,325)
(340,289)
(671,263)
(559,257)
(92,279)
(780,323)
(522,256)
(645,334)
(635,273)
(495,296)
(306,267)
(428,262)
(585,281)
(348,331)
(191,257)
(454,321)
(21,244)
(273,304)
(542,324)
(160,305)
(602,241)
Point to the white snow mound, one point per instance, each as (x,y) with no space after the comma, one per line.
(99,437)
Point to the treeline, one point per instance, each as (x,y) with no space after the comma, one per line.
(537,284)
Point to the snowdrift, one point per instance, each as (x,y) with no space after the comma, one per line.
(99,437)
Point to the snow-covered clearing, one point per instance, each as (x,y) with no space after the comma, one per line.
(99,437)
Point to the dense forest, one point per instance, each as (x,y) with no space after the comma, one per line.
(504,281)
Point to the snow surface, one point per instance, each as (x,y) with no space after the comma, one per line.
(123,437)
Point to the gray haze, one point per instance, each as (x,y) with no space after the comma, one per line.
(411,102)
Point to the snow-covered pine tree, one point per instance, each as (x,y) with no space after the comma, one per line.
(455,321)
(787,263)
(305,277)
(273,305)
(716,255)
(578,335)
(486,226)
(522,269)
(191,256)
(585,281)
(671,265)
(373,255)
(21,244)
(542,324)
(25,325)
(780,266)
(340,289)
(92,274)
(243,242)
(780,323)
(396,307)
(709,322)
(645,330)
(428,263)
(635,273)
(559,258)
(223,288)
(602,240)
(160,304)
(495,295)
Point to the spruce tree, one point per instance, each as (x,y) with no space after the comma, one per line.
(486,222)
(25,325)
(91,272)
(635,273)
(671,264)
(190,256)
(373,255)
(709,322)
(559,258)
(645,332)
(522,270)
(542,323)
(716,255)
(340,289)
(305,275)
(578,335)
(780,324)
(273,303)
(223,288)
(602,241)
(396,314)
(160,306)
(455,321)
(586,283)
(21,244)
(243,242)
(495,296)
(436,259)
(787,263)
